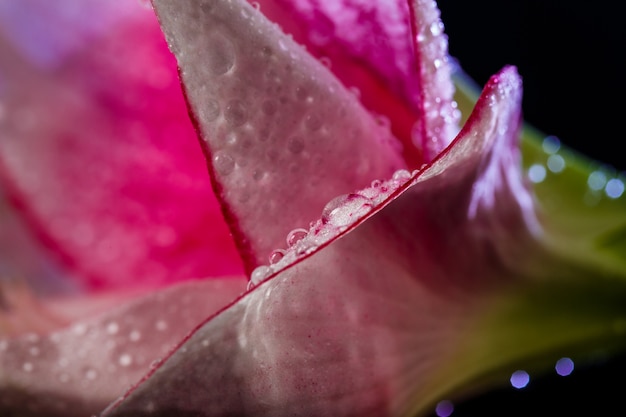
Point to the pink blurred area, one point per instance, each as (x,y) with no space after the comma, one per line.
(98,156)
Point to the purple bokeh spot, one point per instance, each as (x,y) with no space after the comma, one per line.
(564,366)
(519,379)
(444,408)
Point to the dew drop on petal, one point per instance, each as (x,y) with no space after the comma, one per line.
(276,256)
(295,236)
(346,209)
(134,336)
(91,374)
(210,110)
(259,274)
(28,367)
(221,54)
(161,325)
(295,145)
(125,360)
(235,113)
(223,163)
(401,175)
(112,328)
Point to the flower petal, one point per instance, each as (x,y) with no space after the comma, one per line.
(282,134)
(439,116)
(367,45)
(372,324)
(97,148)
(77,371)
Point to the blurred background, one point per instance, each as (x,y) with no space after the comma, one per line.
(569,53)
(571,57)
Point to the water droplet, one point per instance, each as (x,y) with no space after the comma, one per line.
(113,328)
(34,351)
(312,123)
(210,111)
(436,28)
(295,145)
(256,5)
(134,336)
(221,54)
(376,183)
(27,367)
(91,374)
(80,329)
(223,163)
(519,379)
(259,274)
(4,344)
(326,62)
(161,325)
(401,175)
(345,209)
(295,236)
(235,113)
(302,93)
(125,360)
(269,107)
(276,256)
(564,366)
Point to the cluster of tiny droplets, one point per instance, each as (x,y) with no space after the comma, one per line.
(337,216)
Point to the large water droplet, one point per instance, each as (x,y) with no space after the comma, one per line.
(295,236)
(276,256)
(259,274)
(221,54)
(346,209)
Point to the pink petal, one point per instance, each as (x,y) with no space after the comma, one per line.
(367,45)
(79,370)
(97,147)
(364,326)
(438,114)
(282,134)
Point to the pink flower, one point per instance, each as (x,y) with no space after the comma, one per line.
(384,259)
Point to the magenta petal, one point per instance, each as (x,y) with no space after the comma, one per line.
(367,45)
(282,134)
(363,326)
(438,118)
(79,370)
(97,148)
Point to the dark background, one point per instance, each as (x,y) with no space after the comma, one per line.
(571,55)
